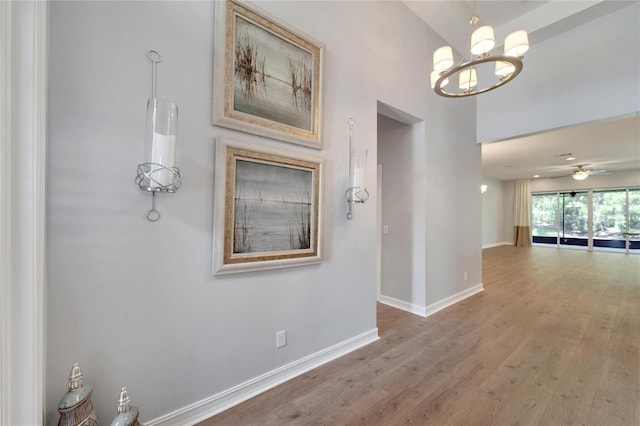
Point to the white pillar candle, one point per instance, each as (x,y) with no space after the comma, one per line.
(358,178)
(163,151)
(358,168)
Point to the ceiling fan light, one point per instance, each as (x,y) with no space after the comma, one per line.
(442,59)
(435,75)
(504,68)
(482,40)
(516,44)
(468,78)
(580,175)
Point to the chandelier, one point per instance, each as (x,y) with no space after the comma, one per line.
(507,66)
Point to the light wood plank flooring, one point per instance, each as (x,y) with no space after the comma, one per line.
(553,340)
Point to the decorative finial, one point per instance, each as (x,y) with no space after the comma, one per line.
(127,414)
(124,403)
(76,407)
(76,380)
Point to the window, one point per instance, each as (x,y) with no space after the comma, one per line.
(544,218)
(634,218)
(574,216)
(609,218)
(601,218)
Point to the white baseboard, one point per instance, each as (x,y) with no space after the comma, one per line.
(405,306)
(434,307)
(504,243)
(219,402)
(451,300)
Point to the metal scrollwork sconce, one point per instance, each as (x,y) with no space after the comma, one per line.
(356,192)
(158,173)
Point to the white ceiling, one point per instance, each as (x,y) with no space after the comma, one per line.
(611,145)
(541,19)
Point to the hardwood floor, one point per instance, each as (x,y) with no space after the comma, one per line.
(553,340)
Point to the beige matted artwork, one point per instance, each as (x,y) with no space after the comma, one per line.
(267,76)
(268,208)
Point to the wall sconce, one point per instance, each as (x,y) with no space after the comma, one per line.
(356,193)
(159,173)
(483,189)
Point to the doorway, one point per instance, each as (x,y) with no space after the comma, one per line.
(401,210)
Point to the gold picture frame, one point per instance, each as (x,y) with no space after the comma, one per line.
(267,76)
(268,208)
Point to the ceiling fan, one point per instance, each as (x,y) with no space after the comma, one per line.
(581,173)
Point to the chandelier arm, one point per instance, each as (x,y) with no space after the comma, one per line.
(516,62)
(468,88)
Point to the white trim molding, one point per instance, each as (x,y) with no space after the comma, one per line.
(219,402)
(405,306)
(452,300)
(23,103)
(434,307)
(504,243)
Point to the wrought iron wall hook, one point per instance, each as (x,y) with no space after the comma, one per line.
(155,58)
(351,122)
(153,214)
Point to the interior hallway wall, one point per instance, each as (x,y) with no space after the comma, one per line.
(134,302)
(492,213)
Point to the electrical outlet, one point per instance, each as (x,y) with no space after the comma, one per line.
(281,339)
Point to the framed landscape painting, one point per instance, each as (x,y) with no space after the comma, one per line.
(268,208)
(267,77)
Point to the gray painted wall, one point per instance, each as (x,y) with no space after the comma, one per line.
(440,184)
(492,213)
(134,302)
(453,210)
